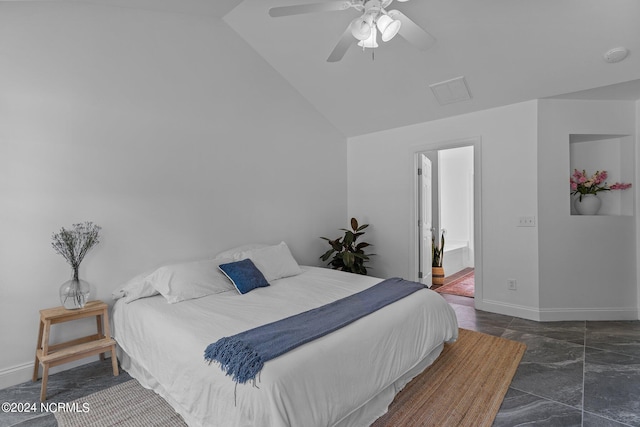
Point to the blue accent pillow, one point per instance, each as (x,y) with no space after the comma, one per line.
(244,275)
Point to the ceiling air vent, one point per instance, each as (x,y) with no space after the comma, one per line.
(450,91)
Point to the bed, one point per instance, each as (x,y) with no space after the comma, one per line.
(347,378)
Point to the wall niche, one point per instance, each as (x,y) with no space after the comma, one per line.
(613,153)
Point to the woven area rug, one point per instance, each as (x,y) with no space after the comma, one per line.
(126,405)
(463,286)
(465,386)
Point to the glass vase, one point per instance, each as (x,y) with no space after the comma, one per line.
(74,293)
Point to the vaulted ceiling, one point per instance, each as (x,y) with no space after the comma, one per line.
(508,51)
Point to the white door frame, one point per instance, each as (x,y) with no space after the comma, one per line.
(425,223)
(416,151)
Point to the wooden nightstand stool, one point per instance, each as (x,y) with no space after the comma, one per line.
(57,354)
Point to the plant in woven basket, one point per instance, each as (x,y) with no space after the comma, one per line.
(348,254)
(437,250)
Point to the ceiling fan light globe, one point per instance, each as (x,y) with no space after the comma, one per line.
(360,29)
(388,27)
(371,42)
(383,22)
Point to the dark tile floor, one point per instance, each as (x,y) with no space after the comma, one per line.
(584,374)
(62,387)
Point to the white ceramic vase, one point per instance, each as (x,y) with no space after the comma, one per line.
(589,205)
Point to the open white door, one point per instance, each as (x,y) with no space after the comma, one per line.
(425,220)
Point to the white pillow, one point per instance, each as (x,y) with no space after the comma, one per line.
(180,282)
(135,288)
(233,253)
(275,262)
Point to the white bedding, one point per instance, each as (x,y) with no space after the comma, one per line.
(345,378)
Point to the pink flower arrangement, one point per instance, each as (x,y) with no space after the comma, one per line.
(583,184)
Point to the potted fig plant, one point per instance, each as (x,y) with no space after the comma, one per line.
(346,253)
(437,256)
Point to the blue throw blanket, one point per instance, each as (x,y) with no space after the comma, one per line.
(242,356)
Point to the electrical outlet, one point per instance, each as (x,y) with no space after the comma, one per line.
(527,221)
(512,284)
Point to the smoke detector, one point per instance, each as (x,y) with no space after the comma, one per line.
(616,54)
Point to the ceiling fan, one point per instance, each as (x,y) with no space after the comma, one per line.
(374,18)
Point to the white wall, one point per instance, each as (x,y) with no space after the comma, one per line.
(168,131)
(587,263)
(636,206)
(380,174)
(569,267)
(456,193)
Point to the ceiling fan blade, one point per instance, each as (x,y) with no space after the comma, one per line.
(300,9)
(412,32)
(341,48)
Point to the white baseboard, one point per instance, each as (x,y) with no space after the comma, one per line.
(22,373)
(15,375)
(591,314)
(558,314)
(524,312)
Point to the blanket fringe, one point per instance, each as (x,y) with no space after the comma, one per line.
(238,359)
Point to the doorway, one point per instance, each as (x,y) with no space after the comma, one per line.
(452,207)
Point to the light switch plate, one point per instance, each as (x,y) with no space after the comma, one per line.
(527,221)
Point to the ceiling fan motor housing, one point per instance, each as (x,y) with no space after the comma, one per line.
(373,7)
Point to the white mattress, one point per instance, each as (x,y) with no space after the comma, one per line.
(348,377)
